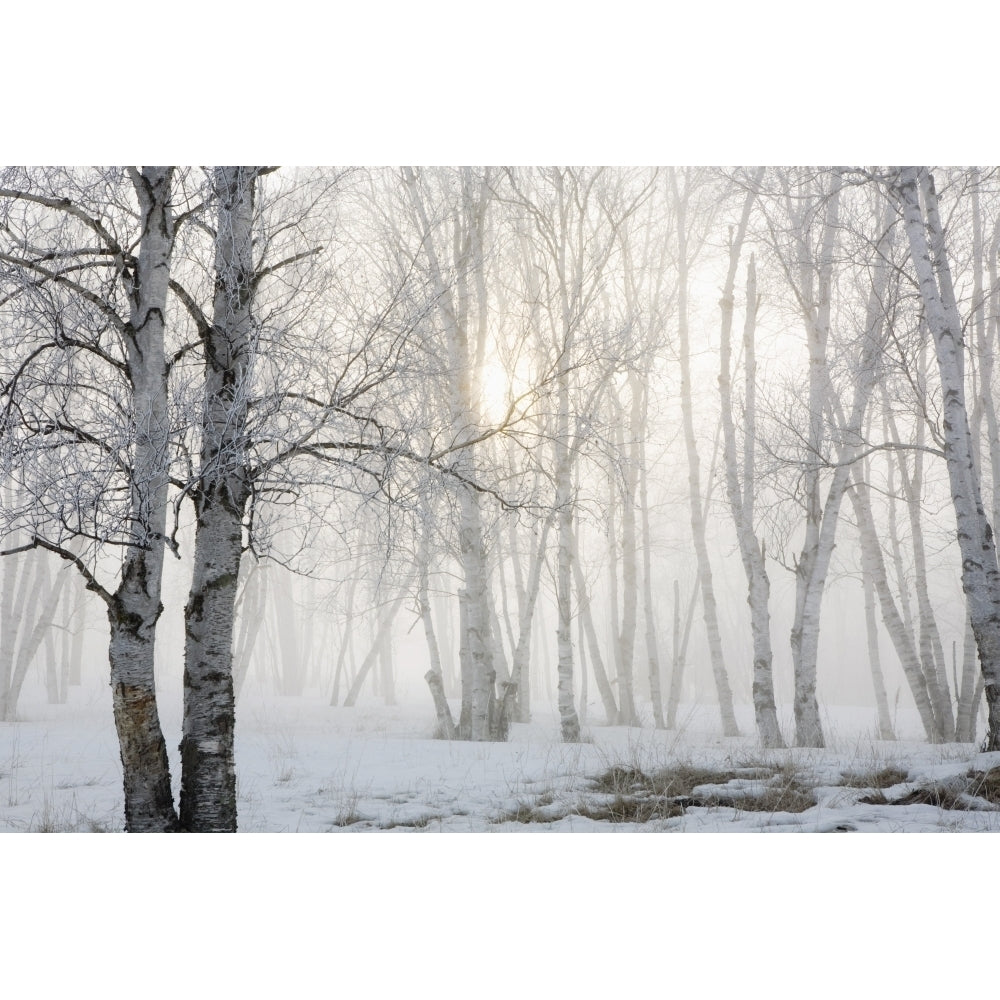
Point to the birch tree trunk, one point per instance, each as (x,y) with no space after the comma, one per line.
(810,569)
(568,720)
(741,497)
(630,575)
(135,606)
(885,728)
(385,619)
(980,573)
(965,719)
(929,639)
(873,566)
(434,676)
(27,614)
(208,779)
(709,611)
(347,637)
(457,302)
(597,660)
(136,476)
(387,670)
(648,610)
(681,638)
(522,650)
(885,731)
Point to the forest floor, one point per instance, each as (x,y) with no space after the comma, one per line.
(305,767)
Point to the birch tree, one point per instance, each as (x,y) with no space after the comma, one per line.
(741,475)
(913,188)
(463,314)
(28,606)
(220,494)
(572,217)
(86,420)
(682,189)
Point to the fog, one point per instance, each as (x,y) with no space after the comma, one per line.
(644,460)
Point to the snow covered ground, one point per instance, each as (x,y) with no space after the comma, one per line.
(305,767)
(577,916)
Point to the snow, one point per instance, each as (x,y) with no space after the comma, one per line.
(400,916)
(305,767)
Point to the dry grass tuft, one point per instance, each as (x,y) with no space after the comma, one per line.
(985,784)
(671,790)
(883,777)
(942,796)
(960,795)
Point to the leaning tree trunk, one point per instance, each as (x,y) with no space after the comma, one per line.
(25,622)
(208,779)
(383,626)
(930,645)
(980,573)
(520,663)
(885,728)
(873,566)
(682,635)
(587,620)
(808,731)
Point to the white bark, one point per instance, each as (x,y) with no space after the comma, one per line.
(980,573)
(568,720)
(873,566)
(630,573)
(208,781)
(434,676)
(597,660)
(885,730)
(929,640)
(811,565)
(383,626)
(465,348)
(128,445)
(28,604)
(740,483)
(135,607)
(709,610)
(522,650)
(648,611)
(970,690)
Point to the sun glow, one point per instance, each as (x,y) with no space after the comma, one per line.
(497,391)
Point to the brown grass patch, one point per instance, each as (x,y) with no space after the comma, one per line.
(977,784)
(883,777)
(669,791)
(986,784)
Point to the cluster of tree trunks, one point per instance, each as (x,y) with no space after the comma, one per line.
(605,262)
